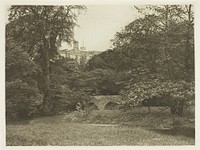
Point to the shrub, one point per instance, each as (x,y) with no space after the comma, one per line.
(181,93)
(63,99)
(21,99)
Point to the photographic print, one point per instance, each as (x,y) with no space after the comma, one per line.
(100,75)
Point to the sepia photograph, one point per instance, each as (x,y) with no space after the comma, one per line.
(100,75)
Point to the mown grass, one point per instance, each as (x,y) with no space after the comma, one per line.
(78,128)
(135,118)
(69,134)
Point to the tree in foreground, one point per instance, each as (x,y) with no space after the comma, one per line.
(163,42)
(40,31)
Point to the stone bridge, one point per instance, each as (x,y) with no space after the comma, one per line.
(102,101)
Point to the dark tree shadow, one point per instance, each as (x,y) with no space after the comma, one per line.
(184,131)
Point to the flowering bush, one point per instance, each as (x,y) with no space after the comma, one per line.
(135,93)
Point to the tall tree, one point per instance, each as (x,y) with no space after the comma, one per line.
(174,25)
(156,53)
(41,29)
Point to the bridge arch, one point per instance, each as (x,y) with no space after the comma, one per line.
(102,101)
(111,105)
(92,106)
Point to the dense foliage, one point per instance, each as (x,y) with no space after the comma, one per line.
(100,82)
(36,79)
(155,53)
(22,94)
(40,30)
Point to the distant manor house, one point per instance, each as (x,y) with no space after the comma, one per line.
(81,55)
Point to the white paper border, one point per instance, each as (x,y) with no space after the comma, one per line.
(3,14)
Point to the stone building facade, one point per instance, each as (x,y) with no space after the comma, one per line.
(80,54)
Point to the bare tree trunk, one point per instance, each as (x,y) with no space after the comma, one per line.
(46,73)
(49,44)
(167,43)
(187,46)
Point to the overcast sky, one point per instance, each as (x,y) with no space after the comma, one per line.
(99,24)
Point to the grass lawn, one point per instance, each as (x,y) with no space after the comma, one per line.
(58,130)
(69,134)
